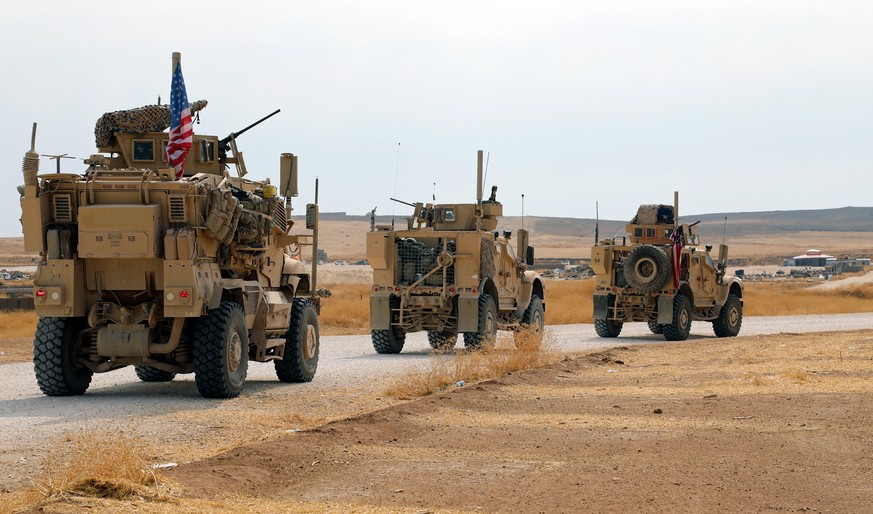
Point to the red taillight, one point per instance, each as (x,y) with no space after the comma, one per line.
(474,290)
(40,293)
(376,289)
(183,294)
(396,289)
(451,289)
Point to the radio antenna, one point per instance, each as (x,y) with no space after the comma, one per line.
(724,232)
(597,223)
(396,173)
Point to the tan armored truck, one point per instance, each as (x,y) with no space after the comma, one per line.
(197,274)
(660,275)
(451,272)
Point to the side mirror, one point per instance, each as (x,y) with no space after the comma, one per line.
(722,256)
(288,174)
(529,256)
(522,242)
(311,216)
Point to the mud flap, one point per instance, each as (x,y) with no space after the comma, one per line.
(468,314)
(380,313)
(665,310)
(601,306)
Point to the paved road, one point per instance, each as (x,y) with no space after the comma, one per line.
(117,400)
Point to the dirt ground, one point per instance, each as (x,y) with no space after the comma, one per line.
(775,423)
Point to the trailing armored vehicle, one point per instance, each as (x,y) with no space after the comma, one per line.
(660,275)
(450,272)
(167,262)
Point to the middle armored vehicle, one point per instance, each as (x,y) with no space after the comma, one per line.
(451,272)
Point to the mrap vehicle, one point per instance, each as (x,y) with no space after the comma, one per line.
(199,273)
(660,275)
(450,272)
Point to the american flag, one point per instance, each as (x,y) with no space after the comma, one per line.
(677,255)
(181,128)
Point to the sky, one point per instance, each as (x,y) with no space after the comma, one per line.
(739,105)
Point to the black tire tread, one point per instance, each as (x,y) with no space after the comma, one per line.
(607,327)
(386,342)
(721,325)
(293,367)
(54,375)
(479,340)
(439,340)
(209,352)
(672,331)
(150,374)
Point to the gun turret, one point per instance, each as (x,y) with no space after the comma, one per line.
(224,144)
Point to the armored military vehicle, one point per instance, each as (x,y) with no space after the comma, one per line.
(660,275)
(196,273)
(449,272)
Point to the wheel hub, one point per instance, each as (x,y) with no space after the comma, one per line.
(733,316)
(311,342)
(234,352)
(645,269)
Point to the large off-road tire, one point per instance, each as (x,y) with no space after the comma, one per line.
(680,327)
(54,357)
(730,319)
(387,341)
(302,344)
(486,334)
(656,328)
(607,327)
(533,319)
(150,374)
(441,340)
(221,352)
(647,268)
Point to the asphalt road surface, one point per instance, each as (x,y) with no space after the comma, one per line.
(348,366)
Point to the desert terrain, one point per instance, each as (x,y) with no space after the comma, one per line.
(776,419)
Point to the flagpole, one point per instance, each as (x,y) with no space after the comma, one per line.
(177,58)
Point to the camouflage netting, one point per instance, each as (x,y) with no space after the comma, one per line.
(151,118)
(654,214)
(486,259)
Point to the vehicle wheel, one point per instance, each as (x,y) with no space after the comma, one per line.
(607,327)
(730,319)
(485,336)
(647,268)
(221,352)
(656,328)
(441,340)
(150,374)
(534,318)
(55,347)
(680,327)
(387,341)
(301,344)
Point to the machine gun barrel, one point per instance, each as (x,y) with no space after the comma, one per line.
(401,201)
(233,135)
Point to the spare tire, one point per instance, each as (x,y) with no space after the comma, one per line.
(647,268)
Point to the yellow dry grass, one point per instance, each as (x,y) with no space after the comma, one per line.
(784,298)
(522,351)
(347,311)
(92,465)
(18,324)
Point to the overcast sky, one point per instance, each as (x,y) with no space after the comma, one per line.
(741,106)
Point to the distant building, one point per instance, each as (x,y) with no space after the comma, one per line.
(846,265)
(812,257)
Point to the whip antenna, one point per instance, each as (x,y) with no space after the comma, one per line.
(724,232)
(396,173)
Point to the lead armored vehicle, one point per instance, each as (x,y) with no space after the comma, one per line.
(197,273)
(660,275)
(451,272)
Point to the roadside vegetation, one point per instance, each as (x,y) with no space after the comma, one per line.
(457,368)
(89,465)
